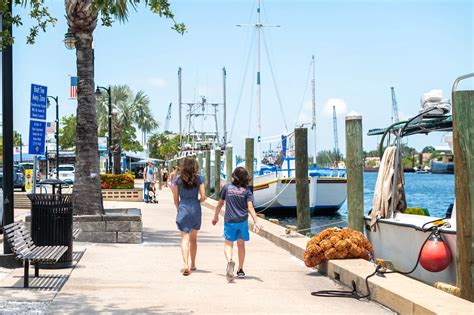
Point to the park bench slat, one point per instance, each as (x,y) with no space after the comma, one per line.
(24,248)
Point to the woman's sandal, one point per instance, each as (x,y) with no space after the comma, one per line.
(193,269)
(186,272)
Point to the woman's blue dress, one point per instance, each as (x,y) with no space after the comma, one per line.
(189,208)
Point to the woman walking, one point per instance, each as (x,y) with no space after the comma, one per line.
(188,193)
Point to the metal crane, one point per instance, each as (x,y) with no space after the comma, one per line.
(168,118)
(394,107)
(336,144)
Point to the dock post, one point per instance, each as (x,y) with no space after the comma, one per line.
(303,216)
(355,172)
(249,157)
(228,162)
(208,173)
(160,176)
(217,173)
(463,141)
(201,166)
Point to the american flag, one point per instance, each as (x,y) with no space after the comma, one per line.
(73,88)
(50,127)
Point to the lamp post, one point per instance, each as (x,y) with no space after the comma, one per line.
(56,135)
(98,94)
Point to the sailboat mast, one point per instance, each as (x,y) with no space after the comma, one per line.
(313,101)
(258,26)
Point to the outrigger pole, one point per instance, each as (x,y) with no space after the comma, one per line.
(313,101)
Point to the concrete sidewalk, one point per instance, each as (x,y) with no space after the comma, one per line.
(146,278)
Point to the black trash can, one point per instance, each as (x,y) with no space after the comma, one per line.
(51,224)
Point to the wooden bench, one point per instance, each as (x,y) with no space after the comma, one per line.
(24,249)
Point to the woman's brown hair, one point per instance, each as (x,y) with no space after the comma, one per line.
(189,172)
(240,177)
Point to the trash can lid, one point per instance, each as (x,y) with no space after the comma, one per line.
(52,181)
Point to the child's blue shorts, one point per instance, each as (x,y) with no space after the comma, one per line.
(236,231)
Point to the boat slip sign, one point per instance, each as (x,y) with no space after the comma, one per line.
(37,133)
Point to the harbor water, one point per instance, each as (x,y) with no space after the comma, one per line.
(434,192)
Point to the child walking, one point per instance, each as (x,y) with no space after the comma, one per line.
(239,203)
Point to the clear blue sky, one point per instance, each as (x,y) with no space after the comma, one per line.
(362,48)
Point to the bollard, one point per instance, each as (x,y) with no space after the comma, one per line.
(355,172)
(217,173)
(160,177)
(201,166)
(208,173)
(463,141)
(303,216)
(249,157)
(228,163)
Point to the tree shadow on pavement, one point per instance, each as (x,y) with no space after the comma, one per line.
(173,238)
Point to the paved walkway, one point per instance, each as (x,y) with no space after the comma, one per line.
(146,277)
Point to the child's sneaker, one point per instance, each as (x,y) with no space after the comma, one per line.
(230,270)
(241,274)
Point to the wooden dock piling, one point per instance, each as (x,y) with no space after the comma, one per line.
(201,166)
(217,173)
(303,216)
(228,162)
(208,173)
(463,140)
(249,157)
(355,172)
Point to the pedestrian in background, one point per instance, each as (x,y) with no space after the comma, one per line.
(188,194)
(149,177)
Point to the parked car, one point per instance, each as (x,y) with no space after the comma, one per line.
(18,174)
(66,173)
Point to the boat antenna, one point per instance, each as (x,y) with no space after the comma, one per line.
(336,143)
(394,107)
(313,101)
(258,26)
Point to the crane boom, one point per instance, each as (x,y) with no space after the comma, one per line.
(168,118)
(394,106)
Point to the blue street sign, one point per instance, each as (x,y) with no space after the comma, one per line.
(39,95)
(37,137)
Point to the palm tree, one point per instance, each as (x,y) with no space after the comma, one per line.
(82,18)
(128,110)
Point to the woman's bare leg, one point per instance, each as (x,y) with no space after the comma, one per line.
(193,247)
(185,248)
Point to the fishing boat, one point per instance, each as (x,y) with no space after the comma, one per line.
(399,237)
(275,184)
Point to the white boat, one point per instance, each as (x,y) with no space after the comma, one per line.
(275,187)
(399,237)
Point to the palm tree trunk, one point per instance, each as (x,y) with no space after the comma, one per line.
(87,190)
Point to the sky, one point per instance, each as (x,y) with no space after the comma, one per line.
(362,48)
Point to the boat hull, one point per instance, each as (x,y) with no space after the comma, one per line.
(276,193)
(400,240)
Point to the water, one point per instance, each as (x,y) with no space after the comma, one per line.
(434,192)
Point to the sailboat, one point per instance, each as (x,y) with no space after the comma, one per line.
(275,184)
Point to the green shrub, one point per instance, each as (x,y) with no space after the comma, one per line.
(119,181)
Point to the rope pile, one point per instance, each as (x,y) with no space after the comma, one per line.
(337,243)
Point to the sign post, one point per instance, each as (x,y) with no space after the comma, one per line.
(37,134)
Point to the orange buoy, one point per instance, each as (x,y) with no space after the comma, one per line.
(435,254)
